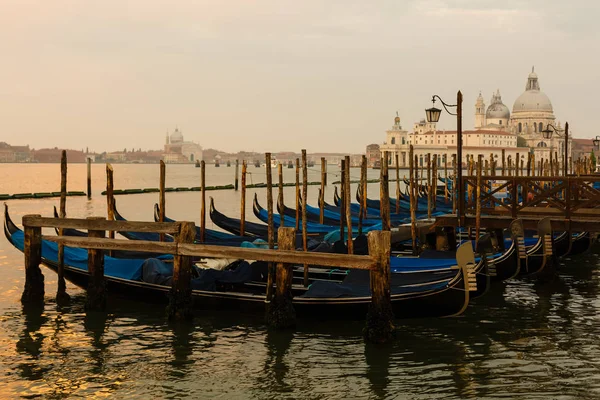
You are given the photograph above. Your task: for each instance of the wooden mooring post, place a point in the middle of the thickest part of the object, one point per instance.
(243, 200)
(280, 202)
(33, 292)
(180, 296)
(478, 199)
(203, 200)
(342, 198)
(347, 206)
(161, 196)
(237, 172)
(412, 200)
(384, 194)
(62, 297)
(396, 158)
(363, 197)
(89, 178)
(280, 311)
(96, 290)
(298, 211)
(304, 217)
(270, 226)
(322, 191)
(428, 185)
(363, 183)
(380, 317)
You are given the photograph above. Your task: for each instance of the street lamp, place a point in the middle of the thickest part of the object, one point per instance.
(550, 129)
(433, 115)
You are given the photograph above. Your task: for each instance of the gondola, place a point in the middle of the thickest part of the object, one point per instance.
(312, 228)
(233, 224)
(429, 293)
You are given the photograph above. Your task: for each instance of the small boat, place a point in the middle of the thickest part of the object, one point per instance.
(217, 165)
(228, 163)
(290, 164)
(257, 163)
(197, 163)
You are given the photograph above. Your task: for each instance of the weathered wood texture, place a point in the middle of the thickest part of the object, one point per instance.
(33, 292)
(243, 200)
(270, 225)
(384, 194)
(280, 311)
(73, 223)
(346, 181)
(161, 195)
(62, 297)
(89, 178)
(180, 296)
(203, 199)
(96, 290)
(304, 217)
(380, 317)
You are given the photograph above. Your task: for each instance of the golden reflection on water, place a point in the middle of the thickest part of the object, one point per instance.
(523, 338)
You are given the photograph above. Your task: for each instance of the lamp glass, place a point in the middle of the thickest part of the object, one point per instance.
(433, 114)
(596, 143)
(547, 133)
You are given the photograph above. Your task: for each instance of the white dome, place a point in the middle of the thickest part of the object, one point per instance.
(176, 137)
(533, 99)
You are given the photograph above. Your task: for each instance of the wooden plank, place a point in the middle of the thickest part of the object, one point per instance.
(114, 244)
(75, 223)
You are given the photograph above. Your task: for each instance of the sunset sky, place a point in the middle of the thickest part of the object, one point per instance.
(280, 75)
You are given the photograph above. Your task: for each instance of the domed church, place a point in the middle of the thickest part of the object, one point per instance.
(496, 117)
(531, 114)
(178, 150)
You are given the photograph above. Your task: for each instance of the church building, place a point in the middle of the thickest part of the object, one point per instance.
(495, 130)
(179, 151)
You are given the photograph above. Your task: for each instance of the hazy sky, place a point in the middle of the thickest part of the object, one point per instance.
(325, 75)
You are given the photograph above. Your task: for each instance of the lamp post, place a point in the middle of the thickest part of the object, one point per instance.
(433, 115)
(550, 129)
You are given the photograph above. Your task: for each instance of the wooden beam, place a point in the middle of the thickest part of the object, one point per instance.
(72, 223)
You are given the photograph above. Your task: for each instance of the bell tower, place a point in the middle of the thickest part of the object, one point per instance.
(480, 121)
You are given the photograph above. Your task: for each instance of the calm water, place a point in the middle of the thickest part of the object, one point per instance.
(521, 340)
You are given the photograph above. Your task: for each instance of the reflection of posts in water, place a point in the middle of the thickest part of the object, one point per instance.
(183, 347)
(275, 369)
(95, 323)
(31, 341)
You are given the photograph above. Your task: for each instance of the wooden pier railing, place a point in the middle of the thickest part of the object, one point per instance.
(280, 312)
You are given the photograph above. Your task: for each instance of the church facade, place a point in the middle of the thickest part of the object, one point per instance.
(177, 150)
(495, 129)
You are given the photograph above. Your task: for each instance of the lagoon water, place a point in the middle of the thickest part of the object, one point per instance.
(521, 340)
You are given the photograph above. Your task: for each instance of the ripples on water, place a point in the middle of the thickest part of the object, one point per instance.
(521, 340)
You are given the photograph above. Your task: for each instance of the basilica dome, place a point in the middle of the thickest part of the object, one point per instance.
(532, 99)
(497, 109)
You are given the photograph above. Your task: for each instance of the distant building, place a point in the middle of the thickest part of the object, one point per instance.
(582, 148)
(14, 154)
(54, 155)
(179, 151)
(373, 155)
